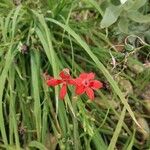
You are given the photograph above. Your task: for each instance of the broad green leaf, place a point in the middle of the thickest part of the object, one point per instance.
(147, 37)
(111, 15)
(138, 17)
(123, 25)
(132, 5)
(138, 4)
(122, 1)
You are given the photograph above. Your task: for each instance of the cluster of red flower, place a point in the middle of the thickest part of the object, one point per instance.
(85, 83)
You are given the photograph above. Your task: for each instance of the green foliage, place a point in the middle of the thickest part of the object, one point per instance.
(124, 12)
(40, 37)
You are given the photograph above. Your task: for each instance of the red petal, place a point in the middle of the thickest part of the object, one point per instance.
(83, 75)
(80, 90)
(78, 81)
(88, 76)
(65, 74)
(91, 76)
(90, 93)
(63, 91)
(72, 81)
(53, 82)
(95, 84)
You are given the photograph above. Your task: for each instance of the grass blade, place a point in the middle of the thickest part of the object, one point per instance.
(117, 131)
(35, 82)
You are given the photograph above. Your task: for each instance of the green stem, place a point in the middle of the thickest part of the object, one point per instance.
(75, 125)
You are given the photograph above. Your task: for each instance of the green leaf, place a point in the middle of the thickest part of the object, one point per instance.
(129, 47)
(138, 17)
(130, 142)
(117, 130)
(111, 15)
(37, 145)
(35, 81)
(123, 1)
(96, 5)
(9, 59)
(147, 37)
(132, 5)
(123, 25)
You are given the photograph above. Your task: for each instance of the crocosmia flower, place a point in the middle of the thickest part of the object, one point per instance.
(85, 83)
(65, 80)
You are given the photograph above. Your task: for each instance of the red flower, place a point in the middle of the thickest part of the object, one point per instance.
(65, 80)
(86, 83)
